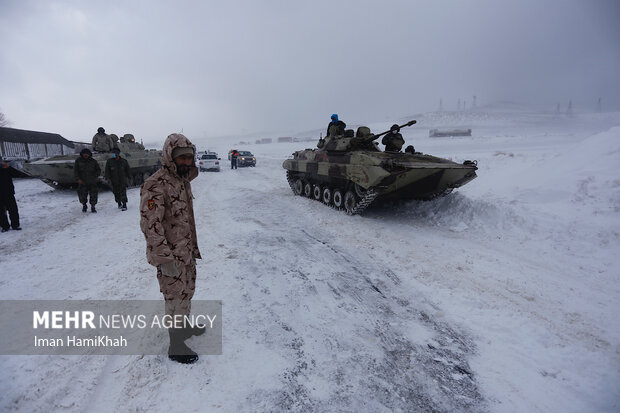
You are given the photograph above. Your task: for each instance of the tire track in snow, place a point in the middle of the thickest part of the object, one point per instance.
(344, 325)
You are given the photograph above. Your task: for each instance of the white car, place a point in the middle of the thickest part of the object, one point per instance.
(208, 161)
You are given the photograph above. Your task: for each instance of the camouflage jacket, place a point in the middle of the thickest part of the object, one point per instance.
(88, 170)
(117, 171)
(167, 210)
(102, 142)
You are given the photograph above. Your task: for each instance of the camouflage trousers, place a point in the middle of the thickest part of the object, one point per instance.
(120, 193)
(88, 189)
(178, 291)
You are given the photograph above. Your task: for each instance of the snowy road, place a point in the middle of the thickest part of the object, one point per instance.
(501, 297)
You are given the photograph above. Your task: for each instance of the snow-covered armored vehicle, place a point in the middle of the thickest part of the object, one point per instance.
(57, 171)
(351, 172)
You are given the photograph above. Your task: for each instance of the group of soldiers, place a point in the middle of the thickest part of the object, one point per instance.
(87, 171)
(393, 140)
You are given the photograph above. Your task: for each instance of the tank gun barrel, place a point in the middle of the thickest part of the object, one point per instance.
(372, 137)
(411, 122)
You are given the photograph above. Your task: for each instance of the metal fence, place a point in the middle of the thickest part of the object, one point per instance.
(32, 151)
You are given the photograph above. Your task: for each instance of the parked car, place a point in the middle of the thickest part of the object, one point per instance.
(208, 161)
(246, 158)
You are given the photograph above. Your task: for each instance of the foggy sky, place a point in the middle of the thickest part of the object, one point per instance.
(278, 67)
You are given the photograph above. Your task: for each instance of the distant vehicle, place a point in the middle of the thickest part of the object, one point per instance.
(208, 161)
(439, 133)
(246, 158)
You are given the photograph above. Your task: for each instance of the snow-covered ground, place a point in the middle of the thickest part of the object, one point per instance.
(502, 297)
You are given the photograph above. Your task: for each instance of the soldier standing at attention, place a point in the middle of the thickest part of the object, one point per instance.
(167, 221)
(102, 142)
(117, 172)
(7, 199)
(86, 171)
(393, 141)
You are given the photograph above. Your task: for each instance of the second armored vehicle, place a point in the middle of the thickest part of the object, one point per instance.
(57, 171)
(351, 172)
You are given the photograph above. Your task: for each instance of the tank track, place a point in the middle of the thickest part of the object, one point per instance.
(290, 180)
(364, 202)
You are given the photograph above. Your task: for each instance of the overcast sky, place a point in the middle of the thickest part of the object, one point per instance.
(231, 68)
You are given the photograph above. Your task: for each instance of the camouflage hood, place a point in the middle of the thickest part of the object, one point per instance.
(177, 140)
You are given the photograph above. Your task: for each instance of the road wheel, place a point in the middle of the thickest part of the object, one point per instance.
(337, 198)
(316, 192)
(327, 195)
(308, 189)
(350, 202)
(299, 187)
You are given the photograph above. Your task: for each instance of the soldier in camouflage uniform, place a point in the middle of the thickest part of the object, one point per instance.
(86, 171)
(117, 172)
(102, 142)
(393, 141)
(167, 221)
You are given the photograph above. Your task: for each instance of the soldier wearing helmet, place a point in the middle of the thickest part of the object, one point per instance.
(102, 142)
(393, 141)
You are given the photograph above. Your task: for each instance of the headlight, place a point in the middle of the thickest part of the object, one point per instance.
(243, 159)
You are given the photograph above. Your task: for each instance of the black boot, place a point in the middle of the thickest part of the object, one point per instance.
(193, 331)
(119, 205)
(84, 208)
(124, 207)
(93, 209)
(178, 350)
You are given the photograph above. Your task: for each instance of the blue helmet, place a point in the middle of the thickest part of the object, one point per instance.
(335, 117)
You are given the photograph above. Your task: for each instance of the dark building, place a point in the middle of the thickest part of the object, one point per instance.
(26, 145)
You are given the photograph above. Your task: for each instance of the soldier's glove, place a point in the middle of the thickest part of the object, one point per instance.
(169, 269)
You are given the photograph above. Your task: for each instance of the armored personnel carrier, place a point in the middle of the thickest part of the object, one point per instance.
(57, 171)
(351, 172)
